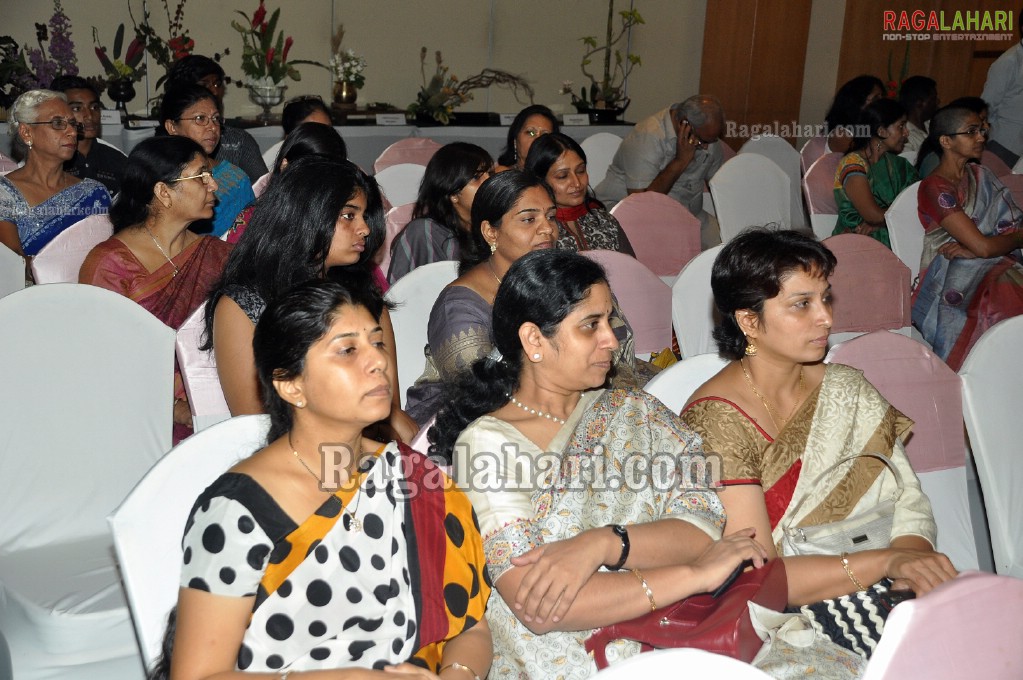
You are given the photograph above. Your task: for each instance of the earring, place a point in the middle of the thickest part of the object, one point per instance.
(751, 349)
(493, 248)
(537, 357)
(29, 145)
(300, 404)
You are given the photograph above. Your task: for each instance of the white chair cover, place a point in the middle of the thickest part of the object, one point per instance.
(905, 230)
(147, 527)
(199, 373)
(680, 663)
(414, 295)
(12, 271)
(400, 183)
(915, 381)
(750, 190)
(642, 297)
(819, 190)
(60, 259)
(395, 220)
(785, 157)
(86, 396)
(663, 233)
(600, 151)
(692, 305)
(415, 150)
(965, 628)
(992, 393)
(675, 384)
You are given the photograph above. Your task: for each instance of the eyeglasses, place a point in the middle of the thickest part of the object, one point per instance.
(536, 132)
(205, 177)
(202, 120)
(971, 131)
(57, 123)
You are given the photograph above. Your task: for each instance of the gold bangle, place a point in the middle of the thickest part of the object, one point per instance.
(849, 572)
(460, 667)
(646, 588)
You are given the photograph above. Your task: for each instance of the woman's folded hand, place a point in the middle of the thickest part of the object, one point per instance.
(918, 570)
(722, 557)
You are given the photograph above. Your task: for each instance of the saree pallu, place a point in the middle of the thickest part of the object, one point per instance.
(234, 193)
(38, 224)
(959, 299)
(620, 458)
(887, 178)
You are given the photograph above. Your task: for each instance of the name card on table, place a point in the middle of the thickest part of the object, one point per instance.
(110, 117)
(508, 118)
(576, 119)
(391, 119)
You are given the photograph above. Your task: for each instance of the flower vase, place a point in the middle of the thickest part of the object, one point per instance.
(267, 96)
(345, 94)
(121, 92)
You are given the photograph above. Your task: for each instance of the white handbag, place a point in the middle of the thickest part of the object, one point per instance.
(870, 530)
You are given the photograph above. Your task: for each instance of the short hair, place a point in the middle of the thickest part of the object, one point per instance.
(452, 167)
(289, 327)
(25, 110)
(153, 160)
(65, 82)
(850, 100)
(541, 287)
(975, 104)
(311, 139)
(700, 109)
(946, 121)
(494, 199)
(880, 113)
(509, 155)
(751, 268)
(300, 108)
(177, 99)
(189, 70)
(916, 89)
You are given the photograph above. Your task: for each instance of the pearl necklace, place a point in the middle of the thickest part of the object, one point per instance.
(534, 412)
(164, 253)
(356, 525)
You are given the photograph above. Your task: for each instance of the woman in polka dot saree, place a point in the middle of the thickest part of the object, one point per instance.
(327, 550)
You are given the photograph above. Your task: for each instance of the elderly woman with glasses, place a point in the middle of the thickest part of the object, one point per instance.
(971, 276)
(153, 258)
(40, 199)
(192, 111)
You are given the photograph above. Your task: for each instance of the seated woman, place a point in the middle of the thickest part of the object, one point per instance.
(308, 139)
(872, 175)
(153, 258)
(439, 229)
(512, 214)
(321, 218)
(40, 200)
(929, 157)
(307, 108)
(971, 269)
(778, 417)
(584, 224)
(844, 112)
(530, 123)
(296, 563)
(524, 417)
(191, 111)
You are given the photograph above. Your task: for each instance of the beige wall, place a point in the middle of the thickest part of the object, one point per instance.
(821, 70)
(538, 39)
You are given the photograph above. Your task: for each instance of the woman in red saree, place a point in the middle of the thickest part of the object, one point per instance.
(153, 258)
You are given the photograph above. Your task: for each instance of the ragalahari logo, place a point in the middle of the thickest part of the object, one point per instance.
(949, 26)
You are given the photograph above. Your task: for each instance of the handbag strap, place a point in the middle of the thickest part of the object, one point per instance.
(842, 461)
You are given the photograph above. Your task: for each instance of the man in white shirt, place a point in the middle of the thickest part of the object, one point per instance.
(672, 152)
(1003, 92)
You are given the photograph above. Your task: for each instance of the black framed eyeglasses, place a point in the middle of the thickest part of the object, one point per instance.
(57, 123)
(202, 120)
(971, 131)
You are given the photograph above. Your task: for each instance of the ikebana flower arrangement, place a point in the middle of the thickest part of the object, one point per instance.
(893, 86)
(131, 68)
(345, 65)
(15, 75)
(264, 58)
(438, 98)
(61, 60)
(607, 91)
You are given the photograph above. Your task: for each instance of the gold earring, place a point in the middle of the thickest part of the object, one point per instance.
(751, 349)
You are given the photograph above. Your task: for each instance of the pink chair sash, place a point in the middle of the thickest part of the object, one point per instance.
(395, 220)
(870, 285)
(199, 373)
(663, 233)
(60, 260)
(819, 185)
(643, 298)
(416, 150)
(995, 164)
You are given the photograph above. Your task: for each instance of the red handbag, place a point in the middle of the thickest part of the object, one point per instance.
(721, 625)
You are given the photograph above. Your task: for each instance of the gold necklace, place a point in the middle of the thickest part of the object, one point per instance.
(162, 251)
(356, 525)
(775, 416)
(494, 271)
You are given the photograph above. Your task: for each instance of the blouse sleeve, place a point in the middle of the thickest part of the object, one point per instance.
(729, 437)
(851, 164)
(937, 199)
(913, 514)
(225, 549)
(102, 267)
(458, 333)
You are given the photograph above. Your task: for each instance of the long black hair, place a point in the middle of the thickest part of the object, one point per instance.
(292, 227)
(153, 160)
(850, 99)
(510, 156)
(547, 150)
(311, 139)
(880, 113)
(541, 287)
(494, 199)
(449, 170)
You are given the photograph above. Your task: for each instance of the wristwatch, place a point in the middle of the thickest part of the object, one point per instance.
(622, 533)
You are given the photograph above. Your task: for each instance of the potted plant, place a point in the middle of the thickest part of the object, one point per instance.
(121, 75)
(265, 59)
(605, 98)
(346, 68)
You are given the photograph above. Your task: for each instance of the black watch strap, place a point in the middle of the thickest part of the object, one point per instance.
(622, 533)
